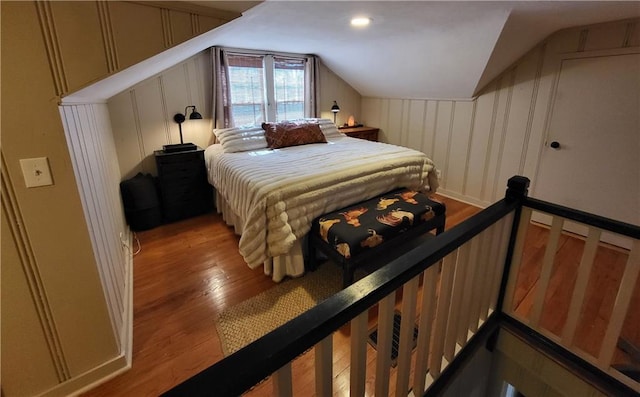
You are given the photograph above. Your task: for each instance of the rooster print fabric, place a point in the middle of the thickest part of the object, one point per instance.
(371, 223)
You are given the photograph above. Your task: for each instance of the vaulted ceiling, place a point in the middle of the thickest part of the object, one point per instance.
(414, 49)
(411, 49)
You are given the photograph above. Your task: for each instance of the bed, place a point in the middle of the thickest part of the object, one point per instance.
(271, 196)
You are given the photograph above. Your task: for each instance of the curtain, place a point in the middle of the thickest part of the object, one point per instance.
(313, 81)
(221, 96)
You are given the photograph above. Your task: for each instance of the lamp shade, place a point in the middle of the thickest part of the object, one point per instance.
(195, 115)
(335, 108)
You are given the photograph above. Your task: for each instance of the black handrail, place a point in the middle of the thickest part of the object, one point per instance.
(598, 221)
(248, 366)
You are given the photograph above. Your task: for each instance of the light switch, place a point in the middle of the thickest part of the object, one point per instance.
(36, 172)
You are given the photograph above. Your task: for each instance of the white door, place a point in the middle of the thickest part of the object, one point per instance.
(596, 123)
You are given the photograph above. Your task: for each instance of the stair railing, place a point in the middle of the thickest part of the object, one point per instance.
(593, 228)
(451, 305)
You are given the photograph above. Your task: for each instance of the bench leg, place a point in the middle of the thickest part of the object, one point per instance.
(440, 227)
(347, 275)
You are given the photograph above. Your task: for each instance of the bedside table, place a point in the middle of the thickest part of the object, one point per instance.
(184, 190)
(368, 133)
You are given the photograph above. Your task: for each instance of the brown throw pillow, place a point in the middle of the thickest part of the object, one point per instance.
(290, 133)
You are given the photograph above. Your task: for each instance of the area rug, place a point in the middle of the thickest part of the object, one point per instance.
(247, 321)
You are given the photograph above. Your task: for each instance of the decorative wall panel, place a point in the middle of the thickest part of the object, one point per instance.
(27, 330)
(61, 251)
(81, 41)
(142, 117)
(138, 32)
(91, 144)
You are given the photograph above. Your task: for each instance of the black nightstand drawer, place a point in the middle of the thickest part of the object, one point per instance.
(175, 194)
(187, 208)
(181, 170)
(186, 177)
(184, 190)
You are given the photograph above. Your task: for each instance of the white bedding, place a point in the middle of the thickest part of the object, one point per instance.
(275, 194)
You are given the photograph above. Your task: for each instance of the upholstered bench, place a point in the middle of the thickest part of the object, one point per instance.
(359, 234)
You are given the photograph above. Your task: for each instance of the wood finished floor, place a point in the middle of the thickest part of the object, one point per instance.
(187, 272)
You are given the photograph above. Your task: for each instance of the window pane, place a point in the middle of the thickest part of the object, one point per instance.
(246, 83)
(288, 76)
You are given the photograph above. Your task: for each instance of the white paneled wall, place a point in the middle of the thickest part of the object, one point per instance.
(333, 88)
(142, 116)
(476, 144)
(479, 143)
(88, 133)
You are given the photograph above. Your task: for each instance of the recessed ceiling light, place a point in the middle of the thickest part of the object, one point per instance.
(360, 21)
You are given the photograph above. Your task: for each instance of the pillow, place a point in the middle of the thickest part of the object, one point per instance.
(241, 139)
(292, 133)
(329, 129)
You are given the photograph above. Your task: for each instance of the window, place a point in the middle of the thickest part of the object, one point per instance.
(288, 79)
(267, 88)
(246, 85)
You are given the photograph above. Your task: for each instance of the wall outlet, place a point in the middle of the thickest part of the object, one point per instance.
(439, 174)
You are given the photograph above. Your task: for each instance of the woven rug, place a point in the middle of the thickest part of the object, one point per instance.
(247, 321)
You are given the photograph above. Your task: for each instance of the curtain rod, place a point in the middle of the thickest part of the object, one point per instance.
(263, 52)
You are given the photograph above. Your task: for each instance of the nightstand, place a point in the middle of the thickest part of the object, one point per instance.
(182, 179)
(368, 133)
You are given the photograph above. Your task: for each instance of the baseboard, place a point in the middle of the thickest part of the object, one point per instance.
(126, 335)
(90, 379)
(462, 198)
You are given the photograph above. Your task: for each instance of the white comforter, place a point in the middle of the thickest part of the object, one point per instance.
(277, 193)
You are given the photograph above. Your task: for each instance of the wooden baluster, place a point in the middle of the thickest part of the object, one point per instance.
(384, 343)
(407, 325)
(516, 260)
(442, 315)
(426, 324)
(467, 295)
(358, 354)
(545, 272)
(580, 288)
(456, 300)
(621, 306)
(480, 287)
(324, 366)
(282, 381)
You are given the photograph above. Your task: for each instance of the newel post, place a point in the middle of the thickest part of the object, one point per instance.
(517, 190)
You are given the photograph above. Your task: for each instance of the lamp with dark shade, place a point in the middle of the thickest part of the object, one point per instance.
(180, 118)
(335, 109)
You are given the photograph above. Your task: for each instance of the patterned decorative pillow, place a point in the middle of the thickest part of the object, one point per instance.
(292, 133)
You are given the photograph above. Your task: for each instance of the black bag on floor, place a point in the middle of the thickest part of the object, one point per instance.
(141, 202)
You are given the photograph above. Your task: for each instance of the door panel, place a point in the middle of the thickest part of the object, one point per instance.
(595, 120)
